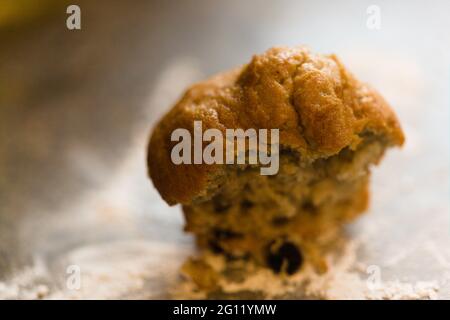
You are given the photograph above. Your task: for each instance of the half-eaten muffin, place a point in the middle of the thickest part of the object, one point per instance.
(332, 127)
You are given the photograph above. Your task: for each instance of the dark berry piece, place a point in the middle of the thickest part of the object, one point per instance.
(284, 258)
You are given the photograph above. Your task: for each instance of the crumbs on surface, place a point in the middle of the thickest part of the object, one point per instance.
(345, 279)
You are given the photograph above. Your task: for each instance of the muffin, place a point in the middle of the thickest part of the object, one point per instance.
(330, 127)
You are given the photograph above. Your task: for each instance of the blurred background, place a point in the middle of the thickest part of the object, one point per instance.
(76, 108)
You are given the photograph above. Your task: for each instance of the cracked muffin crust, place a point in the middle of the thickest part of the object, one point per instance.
(332, 127)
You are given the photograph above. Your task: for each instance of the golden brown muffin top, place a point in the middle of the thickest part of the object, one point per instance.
(317, 105)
